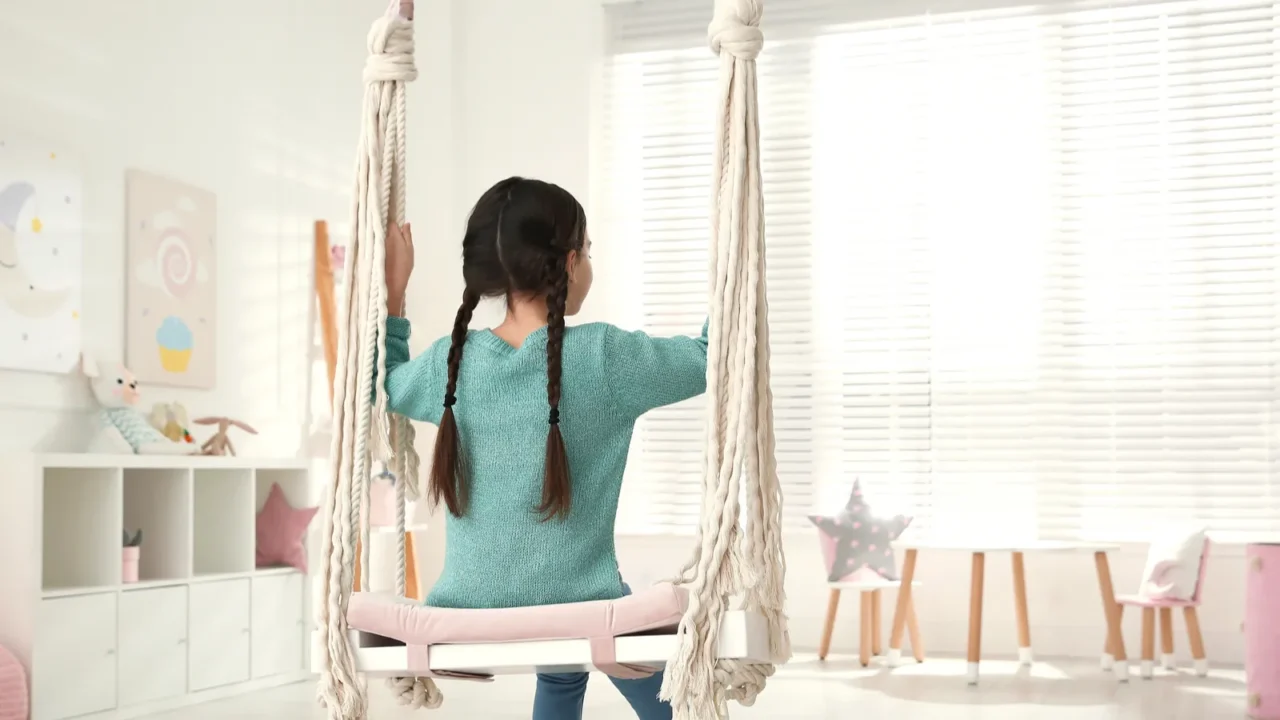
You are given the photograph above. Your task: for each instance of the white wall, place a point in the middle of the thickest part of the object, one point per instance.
(523, 88)
(255, 101)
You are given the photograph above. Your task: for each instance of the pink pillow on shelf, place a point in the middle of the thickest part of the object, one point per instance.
(281, 528)
(13, 688)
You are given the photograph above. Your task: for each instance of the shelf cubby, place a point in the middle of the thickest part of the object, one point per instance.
(296, 485)
(82, 527)
(223, 521)
(158, 501)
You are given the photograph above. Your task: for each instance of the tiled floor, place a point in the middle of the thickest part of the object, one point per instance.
(935, 690)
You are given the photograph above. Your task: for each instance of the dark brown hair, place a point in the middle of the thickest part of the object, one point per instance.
(518, 240)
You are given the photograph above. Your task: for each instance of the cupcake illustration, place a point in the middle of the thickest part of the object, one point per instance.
(174, 339)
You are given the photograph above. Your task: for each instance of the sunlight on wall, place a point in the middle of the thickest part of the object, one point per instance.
(252, 120)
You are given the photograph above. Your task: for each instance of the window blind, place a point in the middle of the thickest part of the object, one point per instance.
(1022, 260)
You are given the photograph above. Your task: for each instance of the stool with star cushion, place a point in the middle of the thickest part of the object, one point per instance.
(857, 548)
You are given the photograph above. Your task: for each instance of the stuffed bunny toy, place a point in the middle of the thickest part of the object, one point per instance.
(123, 429)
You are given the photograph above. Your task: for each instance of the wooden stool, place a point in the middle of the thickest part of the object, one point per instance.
(869, 634)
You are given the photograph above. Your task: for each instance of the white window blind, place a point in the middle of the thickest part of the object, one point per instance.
(1023, 260)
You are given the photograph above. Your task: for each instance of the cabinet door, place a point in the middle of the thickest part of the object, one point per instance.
(74, 659)
(277, 624)
(219, 633)
(153, 644)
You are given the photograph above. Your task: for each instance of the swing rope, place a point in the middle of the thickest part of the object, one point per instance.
(730, 559)
(360, 407)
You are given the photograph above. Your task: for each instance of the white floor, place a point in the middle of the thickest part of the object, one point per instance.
(934, 690)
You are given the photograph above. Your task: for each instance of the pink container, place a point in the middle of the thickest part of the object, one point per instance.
(129, 564)
(382, 503)
(1262, 631)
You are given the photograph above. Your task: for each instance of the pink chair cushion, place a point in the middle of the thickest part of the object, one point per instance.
(419, 626)
(1153, 602)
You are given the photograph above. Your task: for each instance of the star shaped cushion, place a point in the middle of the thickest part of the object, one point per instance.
(281, 528)
(861, 538)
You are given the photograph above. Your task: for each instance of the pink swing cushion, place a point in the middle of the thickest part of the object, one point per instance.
(419, 627)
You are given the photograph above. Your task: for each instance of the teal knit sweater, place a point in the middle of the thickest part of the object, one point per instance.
(500, 554)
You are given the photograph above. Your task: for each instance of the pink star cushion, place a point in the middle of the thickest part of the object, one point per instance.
(280, 531)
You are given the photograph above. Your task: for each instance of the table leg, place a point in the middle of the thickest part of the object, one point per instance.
(875, 623)
(904, 605)
(1112, 611)
(975, 615)
(913, 631)
(1109, 652)
(1020, 609)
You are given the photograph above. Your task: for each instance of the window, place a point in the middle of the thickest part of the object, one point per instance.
(1023, 259)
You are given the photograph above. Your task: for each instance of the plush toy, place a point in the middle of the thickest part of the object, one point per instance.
(171, 420)
(220, 444)
(123, 429)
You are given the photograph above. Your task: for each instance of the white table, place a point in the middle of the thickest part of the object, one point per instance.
(979, 551)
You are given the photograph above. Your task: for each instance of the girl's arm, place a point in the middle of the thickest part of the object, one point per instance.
(415, 387)
(648, 372)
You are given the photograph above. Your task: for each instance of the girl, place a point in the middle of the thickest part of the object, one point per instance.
(535, 419)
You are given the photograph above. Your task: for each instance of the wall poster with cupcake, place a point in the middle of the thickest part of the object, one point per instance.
(170, 334)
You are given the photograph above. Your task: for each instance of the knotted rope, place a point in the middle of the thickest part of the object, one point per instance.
(730, 559)
(360, 406)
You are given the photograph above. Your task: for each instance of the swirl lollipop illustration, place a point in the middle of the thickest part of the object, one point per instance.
(176, 263)
(175, 268)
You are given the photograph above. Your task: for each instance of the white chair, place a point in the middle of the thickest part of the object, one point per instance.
(869, 591)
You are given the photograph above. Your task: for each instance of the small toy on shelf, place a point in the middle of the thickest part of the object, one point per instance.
(130, 556)
(123, 428)
(220, 444)
(171, 420)
(337, 260)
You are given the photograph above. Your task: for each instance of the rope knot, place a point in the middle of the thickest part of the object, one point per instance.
(736, 29)
(390, 52)
(416, 692)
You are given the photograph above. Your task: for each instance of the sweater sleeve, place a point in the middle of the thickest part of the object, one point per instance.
(648, 372)
(415, 386)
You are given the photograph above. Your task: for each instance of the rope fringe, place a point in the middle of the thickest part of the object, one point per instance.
(731, 559)
(360, 407)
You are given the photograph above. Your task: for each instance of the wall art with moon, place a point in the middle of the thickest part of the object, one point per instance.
(41, 239)
(171, 329)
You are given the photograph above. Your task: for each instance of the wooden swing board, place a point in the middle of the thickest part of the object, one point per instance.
(743, 636)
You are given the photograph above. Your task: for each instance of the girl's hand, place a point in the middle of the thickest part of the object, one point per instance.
(399, 266)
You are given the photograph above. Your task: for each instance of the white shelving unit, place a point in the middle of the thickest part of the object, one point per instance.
(201, 623)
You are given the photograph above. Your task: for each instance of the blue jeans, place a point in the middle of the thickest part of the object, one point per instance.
(559, 695)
